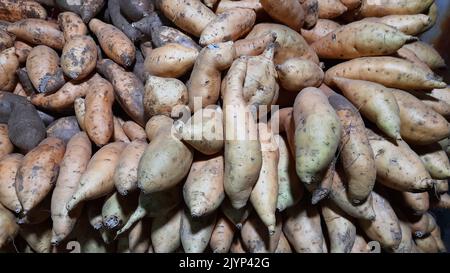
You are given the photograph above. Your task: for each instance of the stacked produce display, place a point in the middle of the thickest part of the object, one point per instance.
(249, 126)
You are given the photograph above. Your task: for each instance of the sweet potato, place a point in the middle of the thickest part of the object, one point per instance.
(260, 84)
(245, 4)
(436, 233)
(409, 24)
(38, 32)
(13, 10)
(435, 160)
(407, 244)
(38, 172)
(222, 236)
(398, 166)
(289, 188)
(427, 54)
(291, 43)
(228, 26)
(71, 25)
(117, 209)
(236, 216)
(427, 244)
(38, 237)
(79, 57)
(409, 55)
(163, 95)
(242, 165)
(203, 190)
(360, 245)
(302, 228)
(433, 14)
(63, 128)
(355, 152)
(376, 102)
(125, 174)
(136, 9)
(74, 163)
(63, 99)
(265, 192)
(22, 50)
(6, 40)
(119, 134)
(329, 9)
(419, 123)
(256, 237)
(171, 60)
(254, 46)
(128, 89)
(438, 106)
(361, 39)
(192, 16)
(341, 229)
(98, 120)
(79, 106)
(314, 151)
(311, 10)
(8, 227)
(154, 172)
(97, 181)
(416, 202)
(165, 233)
(388, 71)
(44, 70)
(386, 227)
(9, 165)
(196, 232)
(288, 12)
(134, 131)
(113, 42)
(205, 80)
(442, 186)
(122, 23)
(139, 237)
(381, 8)
(160, 34)
(283, 245)
(9, 64)
(296, 74)
(322, 28)
(6, 147)
(18, 90)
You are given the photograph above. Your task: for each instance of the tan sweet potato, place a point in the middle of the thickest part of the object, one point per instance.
(254, 46)
(38, 172)
(196, 232)
(8, 227)
(154, 172)
(163, 95)
(165, 233)
(360, 245)
(427, 54)
(134, 131)
(256, 238)
(98, 120)
(291, 43)
(9, 165)
(228, 26)
(119, 134)
(15, 10)
(44, 70)
(38, 237)
(361, 39)
(38, 32)
(9, 64)
(6, 40)
(442, 186)
(191, 16)
(139, 237)
(79, 57)
(245, 4)
(125, 174)
(418, 203)
(341, 229)
(409, 24)
(283, 245)
(22, 50)
(171, 60)
(113, 42)
(322, 28)
(79, 106)
(128, 89)
(204, 83)
(6, 147)
(78, 153)
(288, 12)
(435, 160)
(97, 180)
(388, 71)
(419, 123)
(296, 74)
(380, 8)
(329, 9)
(427, 244)
(71, 25)
(222, 236)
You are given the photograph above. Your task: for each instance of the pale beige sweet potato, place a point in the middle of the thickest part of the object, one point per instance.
(134, 131)
(427, 54)
(222, 236)
(165, 232)
(256, 238)
(254, 46)
(196, 232)
(38, 32)
(9, 64)
(435, 160)
(329, 9)
(296, 74)
(371, 8)
(322, 28)
(412, 24)
(341, 229)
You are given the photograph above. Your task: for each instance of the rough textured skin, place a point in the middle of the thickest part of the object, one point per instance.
(222, 236)
(77, 156)
(38, 32)
(296, 74)
(256, 238)
(203, 190)
(9, 165)
(288, 12)
(388, 71)
(163, 95)
(341, 229)
(322, 28)
(71, 25)
(196, 232)
(360, 39)
(113, 42)
(9, 64)
(15, 10)
(377, 8)
(79, 57)
(38, 172)
(166, 232)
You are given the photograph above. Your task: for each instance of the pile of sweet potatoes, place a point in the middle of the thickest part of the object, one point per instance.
(221, 126)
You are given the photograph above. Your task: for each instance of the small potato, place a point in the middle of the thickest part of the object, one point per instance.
(162, 95)
(79, 57)
(44, 70)
(322, 28)
(71, 25)
(38, 172)
(6, 147)
(15, 10)
(245, 4)
(170, 61)
(9, 165)
(38, 32)
(136, 9)
(296, 74)
(98, 119)
(229, 26)
(113, 42)
(63, 128)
